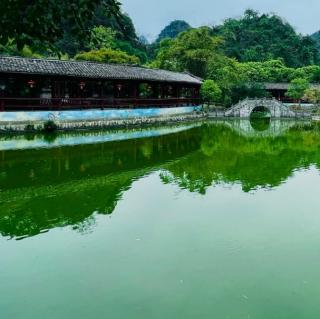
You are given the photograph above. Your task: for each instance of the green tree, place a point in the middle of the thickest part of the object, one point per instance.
(248, 90)
(297, 89)
(107, 56)
(226, 73)
(312, 95)
(102, 37)
(268, 71)
(40, 23)
(310, 73)
(190, 51)
(131, 49)
(122, 27)
(211, 92)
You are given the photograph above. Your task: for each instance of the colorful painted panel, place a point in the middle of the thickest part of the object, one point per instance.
(91, 115)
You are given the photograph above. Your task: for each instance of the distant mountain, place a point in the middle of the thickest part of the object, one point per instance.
(316, 37)
(173, 29)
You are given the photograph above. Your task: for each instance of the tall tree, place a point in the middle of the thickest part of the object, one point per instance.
(211, 92)
(41, 22)
(190, 51)
(297, 89)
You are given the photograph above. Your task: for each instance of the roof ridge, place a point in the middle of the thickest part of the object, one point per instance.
(15, 64)
(66, 61)
(194, 76)
(96, 62)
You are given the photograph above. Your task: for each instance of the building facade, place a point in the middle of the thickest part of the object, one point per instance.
(35, 89)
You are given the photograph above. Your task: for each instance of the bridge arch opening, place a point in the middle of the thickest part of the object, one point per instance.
(260, 124)
(260, 112)
(260, 118)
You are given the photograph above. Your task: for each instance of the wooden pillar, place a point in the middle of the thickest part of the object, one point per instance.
(179, 91)
(176, 90)
(155, 90)
(161, 89)
(135, 93)
(135, 90)
(115, 90)
(2, 103)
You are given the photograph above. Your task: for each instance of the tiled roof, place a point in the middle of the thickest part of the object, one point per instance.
(91, 70)
(284, 86)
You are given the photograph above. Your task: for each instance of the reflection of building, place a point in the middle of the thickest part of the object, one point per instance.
(39, 85)
(65, 186)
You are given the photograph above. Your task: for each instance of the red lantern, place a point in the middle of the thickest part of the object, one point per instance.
(32, 83)
(82, 85)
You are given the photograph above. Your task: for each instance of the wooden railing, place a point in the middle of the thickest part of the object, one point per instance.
(36, 104)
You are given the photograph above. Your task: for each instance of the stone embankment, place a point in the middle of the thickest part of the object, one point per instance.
(100, 123)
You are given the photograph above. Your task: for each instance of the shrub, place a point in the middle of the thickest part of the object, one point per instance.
(108, 56)
(29, 128)
(50, 126)
(211, 92)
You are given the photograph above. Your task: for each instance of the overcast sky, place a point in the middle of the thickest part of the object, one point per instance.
(150, 16)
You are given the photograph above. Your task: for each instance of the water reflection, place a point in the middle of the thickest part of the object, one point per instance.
(36, 185)
(260, 124)
(227, 156)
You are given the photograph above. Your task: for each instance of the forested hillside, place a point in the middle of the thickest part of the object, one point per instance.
(262, 37)
(56, 30)
(63, 29)
(249, 50)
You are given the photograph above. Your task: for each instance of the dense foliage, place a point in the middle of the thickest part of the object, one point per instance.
(312, 95)
(264, 37)
(210, 92)
(277, 71)
(297, 88)
(66, 28)
(105, 31)
(41, 22)
(190, 51)
(316, 38)
(201, 53)
(107, 56)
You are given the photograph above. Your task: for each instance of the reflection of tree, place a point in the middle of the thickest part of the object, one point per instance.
(86, 226)
(51, 188)
(260, 124)
(40, 208)
(68, 186)
(228, 157)
(185, 182)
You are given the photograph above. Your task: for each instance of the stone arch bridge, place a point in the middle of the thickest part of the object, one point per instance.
(246, 107)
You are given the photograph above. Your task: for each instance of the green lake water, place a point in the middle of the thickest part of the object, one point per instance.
(216, 220)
